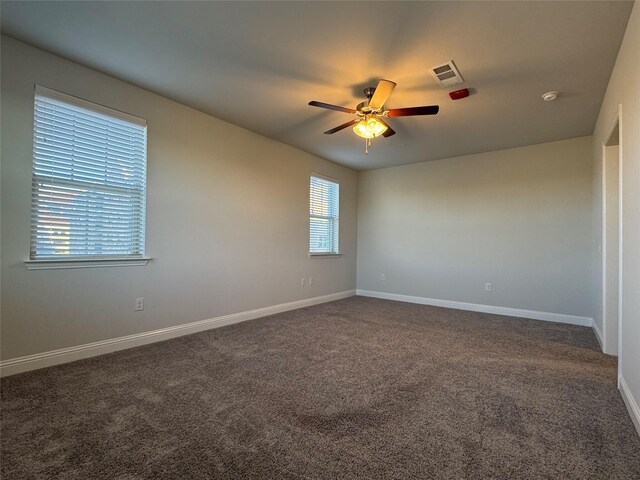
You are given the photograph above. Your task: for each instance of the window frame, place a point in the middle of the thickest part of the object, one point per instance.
(85, 261)
(328, 254)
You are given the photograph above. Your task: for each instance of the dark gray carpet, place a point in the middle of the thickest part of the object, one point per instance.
(355, 389)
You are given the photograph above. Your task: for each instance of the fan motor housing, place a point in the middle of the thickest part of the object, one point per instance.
(363, 107)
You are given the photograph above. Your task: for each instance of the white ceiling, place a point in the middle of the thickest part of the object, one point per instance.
(258, 64)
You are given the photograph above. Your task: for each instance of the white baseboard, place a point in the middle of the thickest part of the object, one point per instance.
(632, 405)
(70, 354)
(475, 307)
(599, 336)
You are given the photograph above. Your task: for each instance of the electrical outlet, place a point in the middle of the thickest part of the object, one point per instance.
(383, 277)
(302, 282)
(488, 287)
(310, 280)
(139, 304)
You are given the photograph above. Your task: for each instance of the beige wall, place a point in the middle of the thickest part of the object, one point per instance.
(519, 219)
(227, 220)
(623, 93)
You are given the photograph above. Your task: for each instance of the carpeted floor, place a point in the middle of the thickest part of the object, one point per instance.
(355, 389)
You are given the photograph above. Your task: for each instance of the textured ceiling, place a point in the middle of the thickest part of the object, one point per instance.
(258, 64)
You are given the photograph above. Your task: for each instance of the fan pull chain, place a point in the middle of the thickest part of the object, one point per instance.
(367, 144)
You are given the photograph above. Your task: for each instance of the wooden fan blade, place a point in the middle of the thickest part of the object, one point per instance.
(337, 108)
(343, 126)
(382, 93)
(389, 131)
(411, 111)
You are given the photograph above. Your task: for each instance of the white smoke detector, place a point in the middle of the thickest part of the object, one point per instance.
(550, 96)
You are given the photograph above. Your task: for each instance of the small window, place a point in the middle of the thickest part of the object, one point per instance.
(324, 208)
(89, 180)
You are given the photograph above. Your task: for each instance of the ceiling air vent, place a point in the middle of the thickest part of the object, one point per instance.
(447, 74)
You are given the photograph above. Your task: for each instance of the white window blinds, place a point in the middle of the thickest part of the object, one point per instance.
(324, 206)
(89, 180)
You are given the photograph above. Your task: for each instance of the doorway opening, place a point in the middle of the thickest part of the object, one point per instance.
(611, 235)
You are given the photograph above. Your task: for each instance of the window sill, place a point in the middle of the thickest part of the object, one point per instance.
(324, 255)
(55, 263)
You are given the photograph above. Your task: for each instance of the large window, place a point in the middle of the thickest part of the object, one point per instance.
(324, 209)
(89, 180)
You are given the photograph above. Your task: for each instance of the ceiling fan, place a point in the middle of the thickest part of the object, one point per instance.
(368, 122)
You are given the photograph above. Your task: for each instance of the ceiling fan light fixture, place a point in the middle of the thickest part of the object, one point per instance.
(369, 127)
